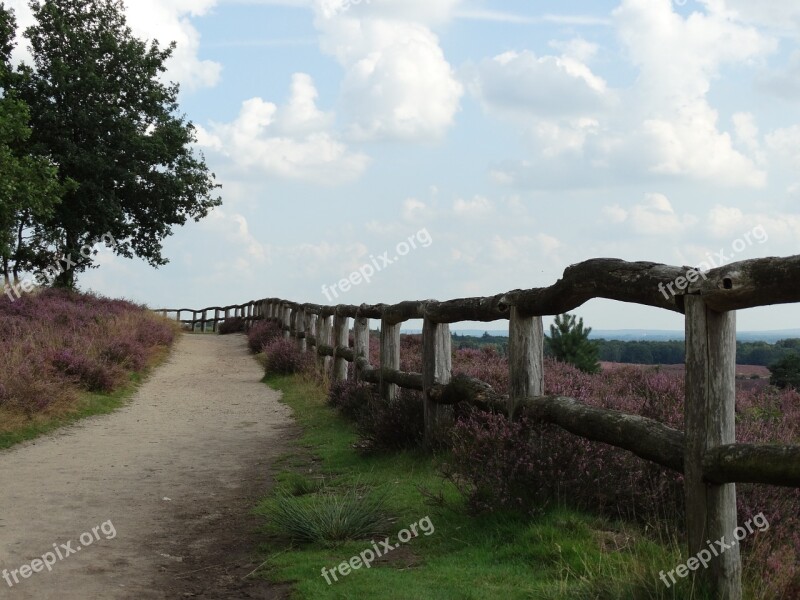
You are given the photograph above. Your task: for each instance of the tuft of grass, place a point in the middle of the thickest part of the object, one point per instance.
(329, 516)
(299, 485)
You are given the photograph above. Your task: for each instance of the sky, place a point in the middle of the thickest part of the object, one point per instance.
(449, 148)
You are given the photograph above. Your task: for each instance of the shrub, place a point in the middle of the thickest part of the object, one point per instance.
(126, 353)
(56, 343)
(232, 325)
(786, 371)
(328, 517)
(91, 374)
(285, 358)
(350, 397)
(395, 425)
(492, 462)
(262, 334)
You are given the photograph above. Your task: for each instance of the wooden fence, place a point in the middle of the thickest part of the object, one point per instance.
(202, 319)
(706, 452)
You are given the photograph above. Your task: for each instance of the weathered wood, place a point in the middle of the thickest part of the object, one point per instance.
(341, 339)
(300, 329)
(710, 422)
(361, 342)
(472, 391)
(647, 438)
(323, 339)
(286, 312)
(311, 329)
(437, 366)
(772, 464)
(411, 381)
(390, 357)
(465, 309)
(609, 278)
(403, 311)
(525, 358)
(750, 283)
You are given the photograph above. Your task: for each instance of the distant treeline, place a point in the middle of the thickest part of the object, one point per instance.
(651, 353)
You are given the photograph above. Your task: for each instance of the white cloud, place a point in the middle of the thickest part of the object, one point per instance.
(475, 208)
(661, 128)
(163, 20)
(242, 251)
(654, 216)
(784, 143)
(526, 85)
(415, 210)
(291, 142)
(615, 213)
(780, 229)
(397, 84)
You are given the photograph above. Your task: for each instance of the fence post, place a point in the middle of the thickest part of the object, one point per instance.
(324, 338)
(710, 422)
(341, 338)
(361, 342)
(300, 329)
(286, 321)
(311, 330)
(525, 358)
(436, 368)
(390, 356)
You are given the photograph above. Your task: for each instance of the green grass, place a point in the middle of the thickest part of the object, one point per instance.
(89, 404)
(560, 554)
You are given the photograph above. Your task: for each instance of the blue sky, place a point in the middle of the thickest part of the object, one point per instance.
(521, 136)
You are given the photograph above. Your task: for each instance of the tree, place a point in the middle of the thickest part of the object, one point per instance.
(101, 112)
(569, 342)
(29, 186)
(786, 372)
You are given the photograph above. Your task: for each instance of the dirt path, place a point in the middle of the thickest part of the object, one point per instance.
(175, 473)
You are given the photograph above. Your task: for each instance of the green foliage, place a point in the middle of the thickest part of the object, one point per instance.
(29, 187)
(328, 517)
(569, 342)
(786, 372)
(100, 110)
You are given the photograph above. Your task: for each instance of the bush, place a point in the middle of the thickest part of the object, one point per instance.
(232, 325)
(126, 353)
(786, 372)
(285, 358)
(350, 397)
(390, 426)
(492, 462)
(328, 517)
(262, 334)
(90, 374)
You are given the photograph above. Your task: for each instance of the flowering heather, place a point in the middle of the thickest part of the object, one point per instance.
(285, 358)
(57, 343)
(262, 334)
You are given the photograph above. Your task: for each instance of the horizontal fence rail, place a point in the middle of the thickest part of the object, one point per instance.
(706, 452)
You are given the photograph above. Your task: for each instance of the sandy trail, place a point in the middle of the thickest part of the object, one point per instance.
(176, 472)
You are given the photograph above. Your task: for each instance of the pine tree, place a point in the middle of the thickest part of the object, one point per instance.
(569, 342)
